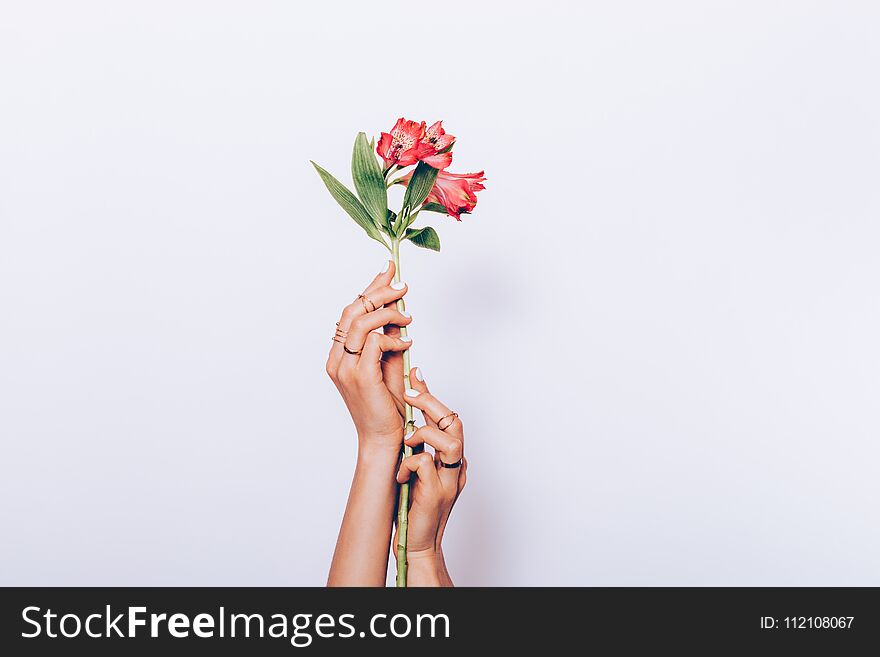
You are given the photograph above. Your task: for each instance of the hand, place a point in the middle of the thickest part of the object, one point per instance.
(371, 382)
(435, 488)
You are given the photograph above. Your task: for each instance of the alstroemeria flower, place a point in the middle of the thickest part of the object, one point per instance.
(457, 192)
(410, 142)
(403, 144)
(437, 140)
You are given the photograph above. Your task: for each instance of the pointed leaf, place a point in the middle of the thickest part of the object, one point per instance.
(368, 180)
(434, 207)
(419, 185)
(401, 221)
(426, 238)
(350, 204)
(389, 222)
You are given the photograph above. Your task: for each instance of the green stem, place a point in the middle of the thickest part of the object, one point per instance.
(388, 172)
(403, 499)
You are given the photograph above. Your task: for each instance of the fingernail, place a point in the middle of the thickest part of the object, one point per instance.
(406, 338)
(405, 314)
(387, 264)
(399, 285)
(408, 436)
(412, 393)
(419, 374)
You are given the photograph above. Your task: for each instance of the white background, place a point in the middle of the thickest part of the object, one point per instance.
(660, 324)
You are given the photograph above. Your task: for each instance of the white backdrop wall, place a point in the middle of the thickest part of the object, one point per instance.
(660, 325)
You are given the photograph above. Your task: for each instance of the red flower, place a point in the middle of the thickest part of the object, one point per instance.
(410, 142)
(457, 192)
(401, 146)
(437, 140)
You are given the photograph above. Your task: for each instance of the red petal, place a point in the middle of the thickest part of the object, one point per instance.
(439, 160)
(383, 148)
(408, 158)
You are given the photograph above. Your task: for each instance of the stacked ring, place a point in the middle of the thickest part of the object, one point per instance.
(340, 335)
(451, 417)
(365, 300)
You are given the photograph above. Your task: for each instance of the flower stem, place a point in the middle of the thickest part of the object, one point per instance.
(403, 499)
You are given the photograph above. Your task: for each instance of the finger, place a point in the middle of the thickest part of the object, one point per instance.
(422, 465)
(383, 278)
(397, 302)
(360, 327)
(417, 382)
(447, 449)
(357, 307)
(391, 329)
(377, 344)
(385, 296)
(360, 308)
(392, 363)
(434, 409)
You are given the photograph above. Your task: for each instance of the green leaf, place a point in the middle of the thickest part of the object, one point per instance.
(426, 238)
(389, 222)
(398, 224)
(350, 204)
(419, 185)
(434, 207)
(368, 180)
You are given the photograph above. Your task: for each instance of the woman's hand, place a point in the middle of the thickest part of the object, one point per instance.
(371, 380)
(435, 488)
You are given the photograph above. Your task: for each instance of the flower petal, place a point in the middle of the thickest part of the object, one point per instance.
(438, 160)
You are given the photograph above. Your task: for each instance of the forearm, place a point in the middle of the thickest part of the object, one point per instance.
(361, 555)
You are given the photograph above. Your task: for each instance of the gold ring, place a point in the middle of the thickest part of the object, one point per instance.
(364, 300)
(349, 351)
(446, 417)
(340, 334)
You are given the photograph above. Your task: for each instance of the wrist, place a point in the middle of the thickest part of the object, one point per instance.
(373, 452)
(425, 568)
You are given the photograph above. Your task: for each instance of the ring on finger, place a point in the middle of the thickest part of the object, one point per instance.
(451, 417)
(367, 300)
(341, 335)
(457, 464)
(349, 351)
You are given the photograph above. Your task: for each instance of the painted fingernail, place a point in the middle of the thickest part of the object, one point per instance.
(405, 314)
(405, 338)
(419, 374)
(412, 393)
(408, 436)
(399, 285)
(387, 264)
